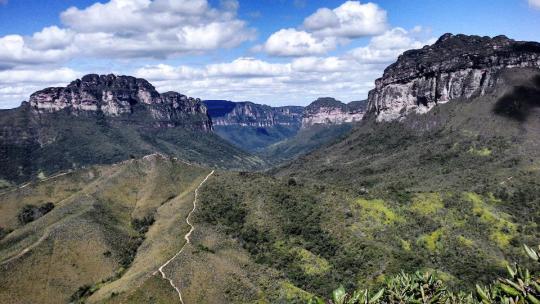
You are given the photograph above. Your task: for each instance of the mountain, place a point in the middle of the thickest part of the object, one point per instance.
(327, 110)
(115, 96)
(456, 66)
(324, 121)
(455, 184)
(106, 119)
(452, 191)
(251, 126)
(278, 134)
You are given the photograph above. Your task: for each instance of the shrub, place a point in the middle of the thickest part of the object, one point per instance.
(521, 287)
(30, 213)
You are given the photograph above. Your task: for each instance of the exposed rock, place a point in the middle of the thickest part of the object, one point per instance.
(456, 66)
(121, 95)
(328, 110)
(228, 113)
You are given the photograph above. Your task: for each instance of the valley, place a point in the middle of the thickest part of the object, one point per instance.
(114, 193)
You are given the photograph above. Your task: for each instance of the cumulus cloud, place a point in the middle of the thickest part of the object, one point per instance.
(17, 85)
(15, 50)
(295, 82)
(352, 19)
(385, 48)
(292, 42)
(327, 28)
(534, 4)
(128, 29)
(299, 81)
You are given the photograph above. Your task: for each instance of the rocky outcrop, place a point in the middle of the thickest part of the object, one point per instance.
(228, 113)
(115, 96)
(456, 66)
(328, 110)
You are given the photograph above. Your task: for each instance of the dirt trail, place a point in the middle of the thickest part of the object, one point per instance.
(186, 237)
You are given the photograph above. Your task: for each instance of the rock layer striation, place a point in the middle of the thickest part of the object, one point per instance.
(456, 66)
(116, 96)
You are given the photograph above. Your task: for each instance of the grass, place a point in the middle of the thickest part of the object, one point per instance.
(432, 240)
(501, 228)
(427, 204)
(376, 210)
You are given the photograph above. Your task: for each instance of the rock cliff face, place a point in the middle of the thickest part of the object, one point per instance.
(227, 113)
(116, 96)
(328, 110)
(456, 66)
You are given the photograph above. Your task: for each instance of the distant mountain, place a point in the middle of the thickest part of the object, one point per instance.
(252, 126)
(228, 113)
(329, 111)
(105, 119)
(269, 131)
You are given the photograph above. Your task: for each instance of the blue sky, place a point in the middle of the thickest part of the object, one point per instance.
(269, 51)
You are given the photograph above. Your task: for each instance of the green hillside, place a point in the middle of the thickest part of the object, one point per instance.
(50, 143)
(255, 139)
(305, 141)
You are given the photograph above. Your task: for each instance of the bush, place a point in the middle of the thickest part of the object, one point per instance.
(30, 213)
(520, 287)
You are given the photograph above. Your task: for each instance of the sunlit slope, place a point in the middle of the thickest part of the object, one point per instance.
(109, 231)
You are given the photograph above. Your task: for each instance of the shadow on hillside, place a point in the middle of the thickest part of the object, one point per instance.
(519, 103)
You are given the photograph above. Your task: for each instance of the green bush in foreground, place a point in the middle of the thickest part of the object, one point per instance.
(520, 287)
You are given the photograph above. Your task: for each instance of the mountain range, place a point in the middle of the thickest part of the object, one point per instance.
(438, 171)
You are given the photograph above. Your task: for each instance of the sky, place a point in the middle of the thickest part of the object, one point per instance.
(276, 52)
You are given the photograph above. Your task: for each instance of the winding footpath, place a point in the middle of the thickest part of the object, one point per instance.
(186, 237)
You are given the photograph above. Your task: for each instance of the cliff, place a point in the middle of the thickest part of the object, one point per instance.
(328, 110)
(456, 66)
(228, 113)
(116, 96)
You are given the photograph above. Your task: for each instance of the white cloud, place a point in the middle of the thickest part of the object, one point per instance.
(295, 81)
(15, 50)
(159, 28)
(352, 19)
(323, 18)
(534, 3)
(53, 38)
(292, 42)
(385, 48)
(17, 85)
(130, 29)
(318, 64)
(299, 81)
(326, 29)
(248, 67)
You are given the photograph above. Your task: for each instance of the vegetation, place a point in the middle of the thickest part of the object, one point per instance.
(73, 142)
(305, 141)
(30, 213)
(520, 286)
(255, 139)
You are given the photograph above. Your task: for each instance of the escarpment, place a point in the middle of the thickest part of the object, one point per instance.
(456, 66)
